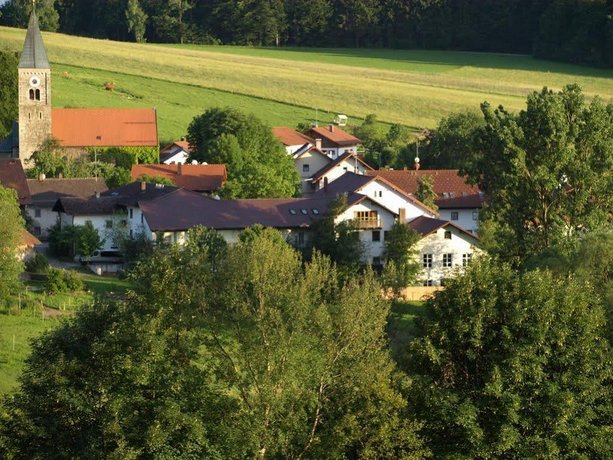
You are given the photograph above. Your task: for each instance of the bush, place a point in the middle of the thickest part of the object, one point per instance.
(37, 264)
(62, 281)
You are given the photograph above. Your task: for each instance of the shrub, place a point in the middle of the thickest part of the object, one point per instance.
(37, 264)
(59, 280)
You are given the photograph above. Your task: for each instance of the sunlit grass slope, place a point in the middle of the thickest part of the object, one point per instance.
(415, 88)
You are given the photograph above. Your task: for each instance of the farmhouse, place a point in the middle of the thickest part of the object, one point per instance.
(334, 141)
(76, 129)
(177, 152)
(347, 162)
(45, 193)
(291, 139)
(457, 201)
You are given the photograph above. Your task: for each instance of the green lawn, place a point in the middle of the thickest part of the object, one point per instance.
(17, 329)
(415, 88)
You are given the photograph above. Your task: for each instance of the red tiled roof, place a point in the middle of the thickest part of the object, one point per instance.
(445, 181)
(289, 136)
(105, 127)
(333, 134)
(184, 145)
(12, 176)
(28, 240)
(198, 178)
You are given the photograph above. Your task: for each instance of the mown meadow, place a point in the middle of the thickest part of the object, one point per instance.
(286, 86)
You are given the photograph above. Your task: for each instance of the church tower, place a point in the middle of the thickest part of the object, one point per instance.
(34, 93)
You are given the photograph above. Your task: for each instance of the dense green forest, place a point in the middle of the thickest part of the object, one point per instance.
(568, 30)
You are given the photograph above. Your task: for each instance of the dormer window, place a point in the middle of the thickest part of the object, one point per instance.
(292, 211)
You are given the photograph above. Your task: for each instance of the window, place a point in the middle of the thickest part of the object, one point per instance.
(378, 193)
(386, 234)
(108, 224)
(305, 168)
(38, 94)
(300, 239)
(447, 234)
(345, 168)
(142, 218)
(31, 94)
(123, 223)
(428, 283)
(447, 260)
(454, 215)
(292, 211)
(315, 211)
(36, 212)
(304, 211)
(427, 258)
(37, 231)
(376, 235)
(475, 215)
(376, 260)
(131, 213)
(466, 259)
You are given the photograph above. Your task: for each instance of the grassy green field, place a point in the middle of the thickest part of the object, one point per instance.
(19, 327)
(284, 86)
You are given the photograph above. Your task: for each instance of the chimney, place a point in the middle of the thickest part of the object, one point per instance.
(318, 144)
(179, 169)
(42, 177)
(402, 215)
(143, 186)
(60, 176)
(331, 128)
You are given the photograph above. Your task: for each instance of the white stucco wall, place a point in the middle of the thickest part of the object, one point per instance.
(350, 165)
(180, 156)
(100, 223)
(468, 218)
(334, 153)
(391, 199)
(315, 162)
(45, 221)
(437, 245)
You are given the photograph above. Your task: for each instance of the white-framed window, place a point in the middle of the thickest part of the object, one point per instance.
(376, 260)
(475, 215)
(466, 259)
(447, 234)
(306, 167)
(376, 235)
(455, 215)
(428, 283)
(448, 260)
(300, 239)
(36, 212)
(427, 261)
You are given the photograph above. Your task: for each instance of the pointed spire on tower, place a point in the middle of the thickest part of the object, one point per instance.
(34, 55)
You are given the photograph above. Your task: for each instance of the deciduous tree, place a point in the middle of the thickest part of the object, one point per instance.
(10, 240)
(8, 92)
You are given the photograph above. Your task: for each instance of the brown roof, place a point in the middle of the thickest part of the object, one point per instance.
(105, 127)
(447, 183)
(12, 176)
(462, 202)
(332, 164)
(46, 192)
(183, 210)
(170, 150)
(426, 225)
(28, 240)
(92, 206)
(198, 178)
(289, 136)
(130, 194)
(334, 135)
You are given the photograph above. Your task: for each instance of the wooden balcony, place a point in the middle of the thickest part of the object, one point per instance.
(368, 222)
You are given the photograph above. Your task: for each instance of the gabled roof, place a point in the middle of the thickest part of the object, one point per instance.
(33, 55)
(92, 206)
(46, 192)
(462, 202)
(172, 149)
(351, 182)
(447, 183)
(310, 148)
(426, 226)
(198, 178)
(334, 135)
(12, 176)
(183, 210)
(28, 240)
(130, 194)
(105, 127)
(289, 136)
(345, 156)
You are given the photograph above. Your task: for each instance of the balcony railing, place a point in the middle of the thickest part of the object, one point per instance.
(368, 222)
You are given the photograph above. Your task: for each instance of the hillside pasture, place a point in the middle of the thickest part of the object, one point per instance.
(415, 88)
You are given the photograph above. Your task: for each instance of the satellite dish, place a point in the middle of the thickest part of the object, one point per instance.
(416, 159)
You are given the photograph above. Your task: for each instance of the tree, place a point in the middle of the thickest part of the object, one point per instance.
(8, 92)
(258, 167)
(546, 171)
(425, 191)
(10, 239)
(513, 366)
(450, 145)
(16, 13)
(283, 362)
(137, 20)
(401, 265)
(170, 22)
(162, 180)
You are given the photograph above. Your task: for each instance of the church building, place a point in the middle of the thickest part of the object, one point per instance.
(76, 129)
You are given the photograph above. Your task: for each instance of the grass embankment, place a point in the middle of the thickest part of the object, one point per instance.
(415, 88)
(19, 327)
(402, 327)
